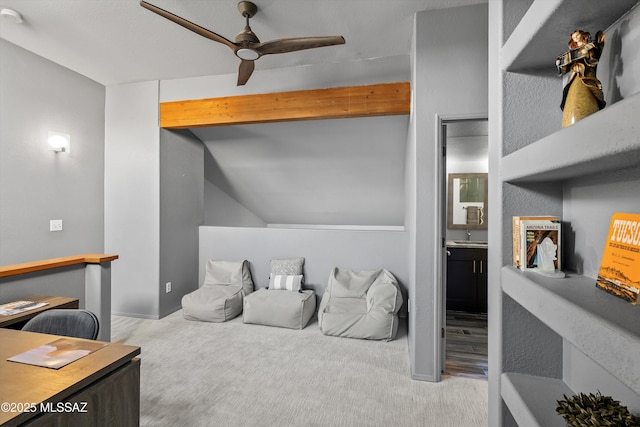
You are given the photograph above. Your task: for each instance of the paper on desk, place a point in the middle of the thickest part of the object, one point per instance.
(17, 307)
(58, 353)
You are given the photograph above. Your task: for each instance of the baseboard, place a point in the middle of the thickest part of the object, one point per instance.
(422, 377)
(171, 311)
(136, 315)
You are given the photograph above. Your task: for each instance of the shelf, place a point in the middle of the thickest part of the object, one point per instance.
(48, 264)
(543, 32)
(603, 327)
(585, 148)
(532, 400)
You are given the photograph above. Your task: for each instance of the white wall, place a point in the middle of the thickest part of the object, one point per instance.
(449, 79)
(322, 250)
(132, 197)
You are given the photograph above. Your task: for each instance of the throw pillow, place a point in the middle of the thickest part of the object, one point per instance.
(287, 266)
(280, 282)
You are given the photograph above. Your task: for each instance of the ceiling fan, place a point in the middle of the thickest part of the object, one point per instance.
(247, 46)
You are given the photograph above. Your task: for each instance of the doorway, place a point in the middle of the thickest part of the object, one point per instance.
(464, 222)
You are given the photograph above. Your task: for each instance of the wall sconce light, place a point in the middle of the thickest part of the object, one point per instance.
(12, 15)
(59, 142)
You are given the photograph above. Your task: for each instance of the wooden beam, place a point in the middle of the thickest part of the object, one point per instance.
(333, 103)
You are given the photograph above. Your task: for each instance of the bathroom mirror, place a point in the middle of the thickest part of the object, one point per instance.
(467, 202)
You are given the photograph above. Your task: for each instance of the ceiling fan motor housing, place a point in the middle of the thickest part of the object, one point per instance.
(247, 9)
(247, 36)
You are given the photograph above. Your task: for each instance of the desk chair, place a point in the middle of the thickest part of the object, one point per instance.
(67, 322)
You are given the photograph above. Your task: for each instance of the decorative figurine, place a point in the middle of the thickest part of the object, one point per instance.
(582, 94)
(546, 255)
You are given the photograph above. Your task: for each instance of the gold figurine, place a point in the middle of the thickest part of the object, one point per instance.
(582, 94)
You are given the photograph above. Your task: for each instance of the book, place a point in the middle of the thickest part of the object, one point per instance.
(58, 353)
(540, 240)
(619, 272)
(18, 307)
(516, 233)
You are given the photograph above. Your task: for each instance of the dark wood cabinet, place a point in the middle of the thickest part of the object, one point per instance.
(467, 279)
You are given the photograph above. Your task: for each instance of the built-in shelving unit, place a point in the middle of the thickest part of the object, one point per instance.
(568, 153)
(576, 310)
(530, 397)
(553, 331)
(544, 30)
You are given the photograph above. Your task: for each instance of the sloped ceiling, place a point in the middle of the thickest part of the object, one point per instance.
(329, 172)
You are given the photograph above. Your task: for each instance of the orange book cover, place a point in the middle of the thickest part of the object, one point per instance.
(620, 266)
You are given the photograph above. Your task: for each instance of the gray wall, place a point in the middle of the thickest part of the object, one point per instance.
(37, 184)
(220, 209)
(322, 250)
(450, 80)
(181, 201)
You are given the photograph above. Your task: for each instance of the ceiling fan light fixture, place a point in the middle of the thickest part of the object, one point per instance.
(247, 54)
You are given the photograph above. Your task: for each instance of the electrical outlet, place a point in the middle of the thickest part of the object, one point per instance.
(55, 225)
(168, 287)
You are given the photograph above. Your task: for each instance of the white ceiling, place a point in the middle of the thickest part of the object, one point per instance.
(467, 142)
(341, 172)
(117, 41)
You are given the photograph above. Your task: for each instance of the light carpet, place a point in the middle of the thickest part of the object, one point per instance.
(235, 374)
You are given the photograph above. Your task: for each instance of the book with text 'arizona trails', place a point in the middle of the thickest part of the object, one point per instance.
(516, 220)
(620, 266)
(533, 233)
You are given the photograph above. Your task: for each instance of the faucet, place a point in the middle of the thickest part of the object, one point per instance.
(468, 235)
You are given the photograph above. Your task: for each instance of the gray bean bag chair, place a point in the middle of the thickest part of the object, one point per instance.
(360, 304)
(285, 309)
(220, 297)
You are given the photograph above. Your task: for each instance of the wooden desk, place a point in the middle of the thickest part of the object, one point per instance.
(107, 380)
(18, 320)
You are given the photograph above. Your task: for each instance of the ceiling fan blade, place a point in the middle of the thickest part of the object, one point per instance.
(245, 71)
(188, 25)
(297, 43)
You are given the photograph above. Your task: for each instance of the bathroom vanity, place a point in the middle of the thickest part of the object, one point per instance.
(467, 276)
